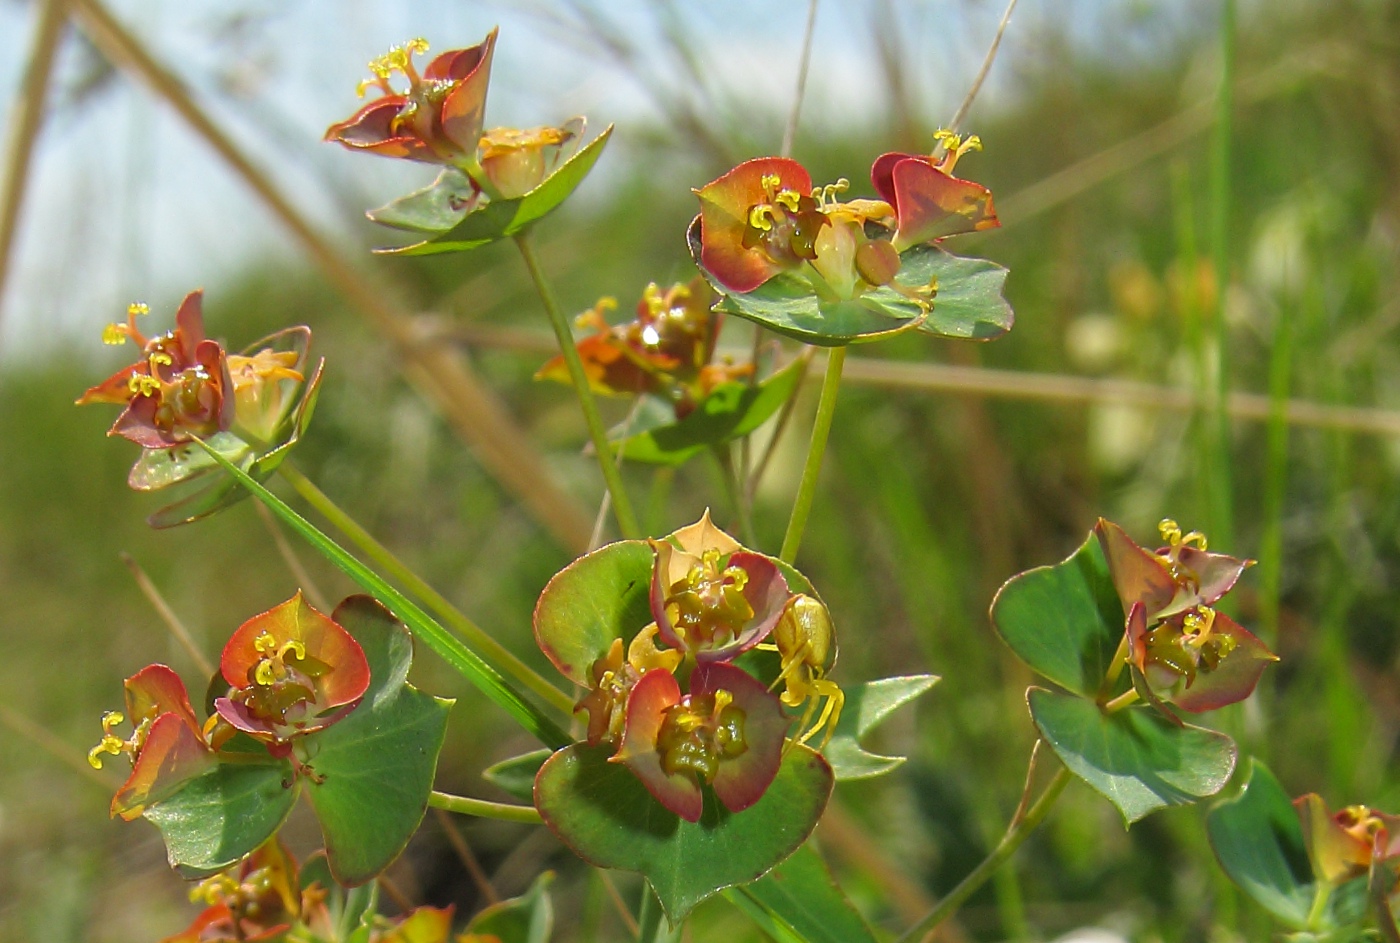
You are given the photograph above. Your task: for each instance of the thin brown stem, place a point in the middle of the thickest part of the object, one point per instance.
(465, 855)
(395, 893)
(299, 572)
(168, 616)
(52, 744)
(961, 113)
(24, 127)
(790, 130)
(620, 905)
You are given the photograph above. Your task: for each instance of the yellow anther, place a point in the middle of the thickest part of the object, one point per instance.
(143, 385)
(265, 643)
(1171, 533)
(114, 335)
(109, 742)
(160, 359)
(770, 182)
(265, 673)
(137, 308)
(788, 199)
(295, 647)
(111, 719)
(761, 217)
(722, 700)
(654, 300)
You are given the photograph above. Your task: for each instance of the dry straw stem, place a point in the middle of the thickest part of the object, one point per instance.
(168, 616)
(289, 556)
(441, 375)
(26, 118)
(991, 57)
(52, 744)
(1009, 384)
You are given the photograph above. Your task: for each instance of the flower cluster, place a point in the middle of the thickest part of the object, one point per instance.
(667, 350)
(764, 217)
(1349, 843)
(250, 405)
(439, 119)
(1180, 648)
(677, 709)
(289, 672)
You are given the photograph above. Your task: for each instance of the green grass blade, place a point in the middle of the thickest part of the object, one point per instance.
(453, 651)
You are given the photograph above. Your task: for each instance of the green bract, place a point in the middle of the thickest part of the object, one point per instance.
(968, 303)
(431, 210)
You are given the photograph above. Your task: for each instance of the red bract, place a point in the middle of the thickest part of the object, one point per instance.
(665, 351)
(167, 746)
(1198, 658)
(727, 732)
(180, 388)
(292, 671)
(712, 599)
(437, 120)
(758, 220)
(1345, 844)
(929, 202)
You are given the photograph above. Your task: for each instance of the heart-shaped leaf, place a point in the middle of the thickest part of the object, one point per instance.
(528, 918)
(517, 775)
(1258, 841)
(802, 896)
(605, 814)
(597, 598)
(1136, 758)
(502, 218)
(434, 209)
(220, 817)
(968, 303)
(1064, 621)
(731, 411)
(371, 773)
(161, 468)
(866, 706)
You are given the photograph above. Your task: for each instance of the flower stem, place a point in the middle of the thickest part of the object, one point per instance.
(464, 805)
(622, 506)
(724, 455)
(454, 617)
(1016, 833)
(1319, 905)
(821, 429)
(1127, 698)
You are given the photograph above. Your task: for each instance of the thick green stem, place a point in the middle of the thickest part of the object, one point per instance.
(1017, 833)
(1319, 905)
(622, 505)
(821, 429)
(493, 650)
(465, 805)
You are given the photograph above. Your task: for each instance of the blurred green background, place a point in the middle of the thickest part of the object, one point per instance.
(1099, 131)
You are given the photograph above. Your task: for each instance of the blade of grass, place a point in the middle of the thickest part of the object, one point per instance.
(384, 558)
(465, 661)
(821, 429)
(982, 72)
(1222, 503)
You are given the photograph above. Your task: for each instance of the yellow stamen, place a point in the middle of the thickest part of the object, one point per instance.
(114, 335)
(142, 385)
(265, 643)
(109, 743)
(761, 217)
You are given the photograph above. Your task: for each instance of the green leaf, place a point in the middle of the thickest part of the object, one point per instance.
(371, 772)
(434, 209)
(731, 411)
(1258, 841)
(502, 218)
(528, 918)
(866, 706)
(801, 895)
(516, 775)
(161, 468)
(967, 305)
(222, 816)
(1137, 759)
(597, 598)
(1064, 621)
(605, 814)
(461, 658)
(205, 496)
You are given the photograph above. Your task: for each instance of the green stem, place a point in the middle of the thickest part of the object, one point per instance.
(1319, 905)
(650, 918)
(454, 617)
(821, 429)
(1016, 833)
(1222, 509)
(465, 805)
(622, 505)
(462, 659)
(1126, 699)
(724, 454)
